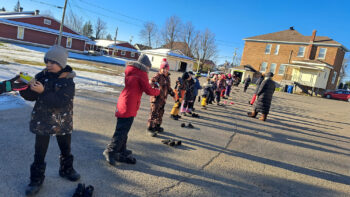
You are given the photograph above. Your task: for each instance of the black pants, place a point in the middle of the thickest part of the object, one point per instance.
(42, 144)
(245, 88)
(120, 136)
(218, 97)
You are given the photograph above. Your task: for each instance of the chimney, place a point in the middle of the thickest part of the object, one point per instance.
(36, 12)
(20, 9)
(291, 28)
(312, 39)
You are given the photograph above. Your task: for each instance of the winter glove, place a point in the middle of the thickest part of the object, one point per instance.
(12, 85)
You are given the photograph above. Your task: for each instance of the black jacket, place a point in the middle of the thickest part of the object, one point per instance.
(258, 82)
(264, 94)
(53, 110)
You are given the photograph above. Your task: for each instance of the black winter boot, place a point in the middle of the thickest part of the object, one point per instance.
(151, 132)
(66, 168)
(37, 176)
(159, 129)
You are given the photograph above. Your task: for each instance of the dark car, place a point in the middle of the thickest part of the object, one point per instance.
(338, 94)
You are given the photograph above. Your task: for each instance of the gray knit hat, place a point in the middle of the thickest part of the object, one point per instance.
(143, 59)
(58, 54)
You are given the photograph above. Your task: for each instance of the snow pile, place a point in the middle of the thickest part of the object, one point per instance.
(10, 101)
(84, 80)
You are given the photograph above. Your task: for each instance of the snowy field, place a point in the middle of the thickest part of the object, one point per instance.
(88, 77)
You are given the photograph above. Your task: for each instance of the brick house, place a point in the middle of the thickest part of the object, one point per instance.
(39, 30)
(310, 63)
(116, 48)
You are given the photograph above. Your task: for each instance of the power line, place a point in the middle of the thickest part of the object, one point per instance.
(44, 3)
(112, 11)
(99, 14)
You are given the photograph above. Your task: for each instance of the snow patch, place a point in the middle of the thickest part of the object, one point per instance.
(11, 101)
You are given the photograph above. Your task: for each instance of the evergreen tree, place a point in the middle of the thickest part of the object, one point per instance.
(17, 7)
(87, 29)
(109, 37)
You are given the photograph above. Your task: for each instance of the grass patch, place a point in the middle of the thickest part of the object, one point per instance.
(1, 44)
(29, 62)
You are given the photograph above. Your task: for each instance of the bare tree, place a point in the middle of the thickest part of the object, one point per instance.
(74, 22)
(100, 28)
(188, 36)
(204, 47)
(171, 30)
(148, 33)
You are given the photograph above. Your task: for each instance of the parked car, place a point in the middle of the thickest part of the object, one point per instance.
(338, 94)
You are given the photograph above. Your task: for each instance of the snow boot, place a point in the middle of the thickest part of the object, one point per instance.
(151, 132)
(159, 129)
(172, 142)
(263, 117)
(174, 117)
(109, 156)
(88, 191)
(37, 176)
(190, 126)
(252, 114)
(66, 168)
(79, 192)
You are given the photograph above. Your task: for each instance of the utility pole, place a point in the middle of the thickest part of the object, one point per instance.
(115, 37)
(62, 22)
(234, 57)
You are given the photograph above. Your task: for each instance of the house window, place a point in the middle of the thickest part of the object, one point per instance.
(69, 43)
(322, 53)
(334, 77)
(273, 68)
(282, 69)
(263, 67)
(20, 33)
(132, 54)
(301, 52)
(47, 22)
(268, 49)
(123, 53)
(277, 49)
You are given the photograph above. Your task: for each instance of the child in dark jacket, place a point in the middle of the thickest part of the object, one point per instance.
(136, 82)
(206, 93)
(162, 81)
(53, 90)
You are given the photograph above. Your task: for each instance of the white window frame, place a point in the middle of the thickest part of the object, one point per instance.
(303, 52)
(132, 54)
(284, 69)
(20, 33)
(264, 63)
(334, 77)
(277, 49)
(274, 70)
(123, 53)
(268, 48)
(47, 21)
(69, 42)
(319, 52)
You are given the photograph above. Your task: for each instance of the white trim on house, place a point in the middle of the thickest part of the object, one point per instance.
(20, 33)
(302, 43)
(69, 42)
(277, 50)
(318, 55)
(47, 21)
(303, 51)
(311, 63)
(36, 44)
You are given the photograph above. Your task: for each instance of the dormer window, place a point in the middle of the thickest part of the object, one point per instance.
(47, 21)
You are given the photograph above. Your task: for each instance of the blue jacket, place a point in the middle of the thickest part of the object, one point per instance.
(197, 86)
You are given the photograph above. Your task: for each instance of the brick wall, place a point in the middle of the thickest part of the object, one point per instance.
(254, 55)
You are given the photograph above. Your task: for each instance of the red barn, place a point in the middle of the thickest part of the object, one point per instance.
(32, 28)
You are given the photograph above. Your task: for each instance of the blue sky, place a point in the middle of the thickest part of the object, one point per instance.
(231, 21)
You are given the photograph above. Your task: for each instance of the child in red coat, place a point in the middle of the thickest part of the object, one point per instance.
(136, 82)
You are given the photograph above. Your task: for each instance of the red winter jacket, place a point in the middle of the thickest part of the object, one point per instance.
(136, 82)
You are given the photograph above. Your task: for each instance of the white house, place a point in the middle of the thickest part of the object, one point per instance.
(176, 59)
